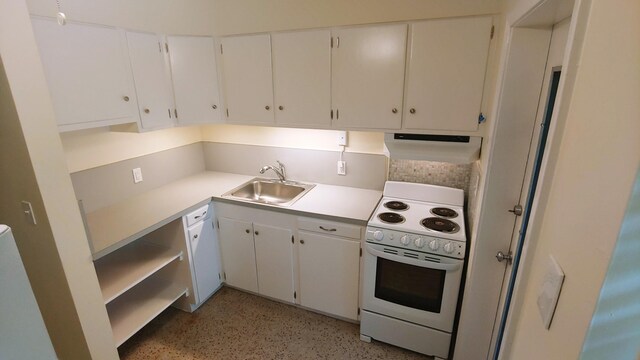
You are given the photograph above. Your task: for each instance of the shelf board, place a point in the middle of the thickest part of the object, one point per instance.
(130, 265)
(134, 309)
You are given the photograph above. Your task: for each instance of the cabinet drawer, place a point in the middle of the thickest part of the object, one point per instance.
(198, 215)
(330, 228)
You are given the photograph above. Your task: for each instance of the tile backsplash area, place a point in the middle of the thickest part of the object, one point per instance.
(431, 172)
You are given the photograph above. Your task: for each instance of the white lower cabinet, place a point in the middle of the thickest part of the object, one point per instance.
(205, 254)
(311, 262)
(329, 270)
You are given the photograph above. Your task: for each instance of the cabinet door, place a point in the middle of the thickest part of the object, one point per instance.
(195, 79)
(152, 78)
(329, 273)
(206, 258)
(302, 78)
(274, 260)
(238, 254)
(368, 76)
(445, 78)
(248, 81)
(88, 74)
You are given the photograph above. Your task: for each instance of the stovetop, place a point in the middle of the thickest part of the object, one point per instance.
(420, 217)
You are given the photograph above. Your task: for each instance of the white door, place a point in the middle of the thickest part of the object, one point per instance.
(238, 253)
(329, 274)
(195, 79)
(247, 78)
(206, 258)
(302, 78)
(368, 76)
(152, 78)
(88, 73)
(274, 261)
(445, 74)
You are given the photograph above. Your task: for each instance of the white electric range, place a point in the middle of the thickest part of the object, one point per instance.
(414, 257)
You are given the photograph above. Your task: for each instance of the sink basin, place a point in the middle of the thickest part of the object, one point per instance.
(268, 191)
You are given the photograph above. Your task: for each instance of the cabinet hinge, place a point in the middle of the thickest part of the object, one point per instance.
(481, 118)
(166, 47)
(175, 112)
(295, 296)
(292, 239)
(221, 51)
(493, 29)
(358, 311)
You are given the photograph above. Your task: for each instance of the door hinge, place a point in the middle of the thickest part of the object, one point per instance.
(166, 47)
(295, 296)
(292, 239)
(481, 118)
(175, 112)
(221, 51)
(493, 29)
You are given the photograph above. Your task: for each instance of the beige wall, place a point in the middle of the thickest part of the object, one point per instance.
(55, 251)
(592, 179)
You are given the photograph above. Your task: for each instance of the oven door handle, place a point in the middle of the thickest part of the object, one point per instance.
(409, 261)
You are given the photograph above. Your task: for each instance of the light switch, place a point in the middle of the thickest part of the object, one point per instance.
(28, 212)
(550, 291)
(137, 175)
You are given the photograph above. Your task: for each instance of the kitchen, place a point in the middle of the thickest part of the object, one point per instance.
(99, 147)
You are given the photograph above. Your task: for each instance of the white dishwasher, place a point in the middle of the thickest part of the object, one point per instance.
(204, 254)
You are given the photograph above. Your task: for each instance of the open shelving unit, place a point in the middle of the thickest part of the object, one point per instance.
(131, 265)
(134, 309)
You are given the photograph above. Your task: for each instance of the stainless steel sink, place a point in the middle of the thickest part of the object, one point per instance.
(269, 191)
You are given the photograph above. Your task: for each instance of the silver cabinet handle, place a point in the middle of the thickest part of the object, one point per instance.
(325, 229)
(146, 111)
(281, 107)
(125, 98)
(267, 107)
(394, 110)
(195, 236)
(412, 110)
(301, 241)
(214, 106)
(247, 231)
(257, 233)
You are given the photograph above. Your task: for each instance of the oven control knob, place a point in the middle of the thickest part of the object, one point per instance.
(404, 240)
(449, 248)
(378, 235)
(420, 242)
(434, 245)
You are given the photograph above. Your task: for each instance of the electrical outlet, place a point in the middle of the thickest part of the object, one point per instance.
(342, 168)
(342, 138)
(137, 175)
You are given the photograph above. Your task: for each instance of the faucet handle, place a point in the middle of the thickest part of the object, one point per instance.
(282, 169)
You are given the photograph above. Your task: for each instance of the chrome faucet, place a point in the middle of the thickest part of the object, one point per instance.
(280, 171)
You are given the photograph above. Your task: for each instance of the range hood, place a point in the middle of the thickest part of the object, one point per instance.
(443, 148)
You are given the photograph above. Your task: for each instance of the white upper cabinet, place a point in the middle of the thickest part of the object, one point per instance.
(302, 78)
(247, 79)
(152, 77)
(195, 79)
(368, 76)
(445, 75)
(88, 74)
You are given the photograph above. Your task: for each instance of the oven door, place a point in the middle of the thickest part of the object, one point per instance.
(421, 291)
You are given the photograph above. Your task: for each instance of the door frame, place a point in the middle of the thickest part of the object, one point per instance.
(532, 14)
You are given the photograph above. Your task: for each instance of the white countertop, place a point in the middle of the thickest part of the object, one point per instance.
(114, 226)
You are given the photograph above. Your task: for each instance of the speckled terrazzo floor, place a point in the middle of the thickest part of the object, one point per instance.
(237, 325)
